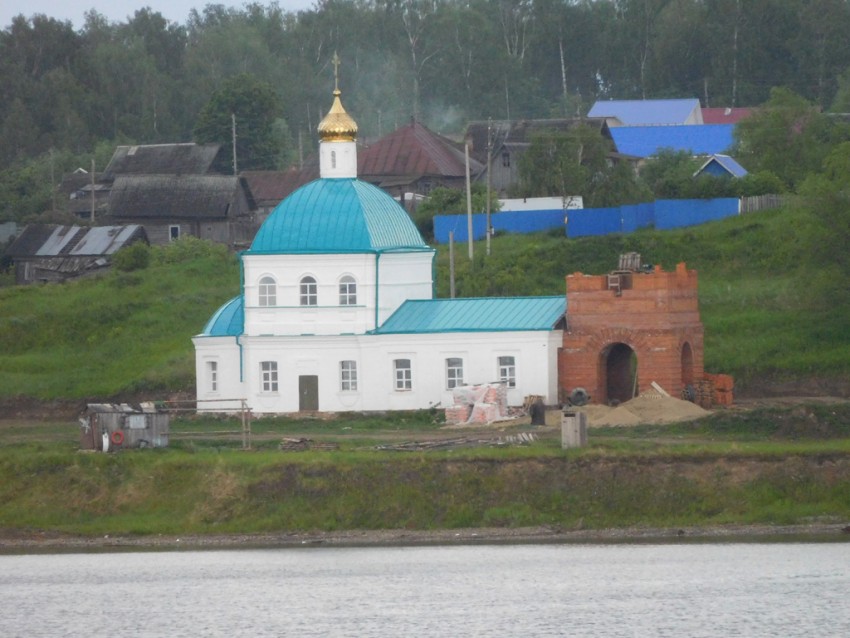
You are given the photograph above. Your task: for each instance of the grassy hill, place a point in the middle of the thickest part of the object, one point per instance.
(128, 333)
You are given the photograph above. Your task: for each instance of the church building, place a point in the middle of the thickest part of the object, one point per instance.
(337, 310)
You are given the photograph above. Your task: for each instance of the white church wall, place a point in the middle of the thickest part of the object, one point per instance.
(404, 276)
(374, 356)
(217, 374)
(400, 276)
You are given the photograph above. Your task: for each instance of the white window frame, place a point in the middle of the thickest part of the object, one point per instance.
(172, 236)
(267, 291)
(268, 377)
(507, 370)
(348, 376)
(454, 372)
(347, 291)
(308, 291)
(212, 376)
(402, 375)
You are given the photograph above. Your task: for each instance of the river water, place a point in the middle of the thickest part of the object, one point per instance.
(681, 590)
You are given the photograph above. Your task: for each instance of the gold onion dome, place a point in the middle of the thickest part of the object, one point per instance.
(337, 125)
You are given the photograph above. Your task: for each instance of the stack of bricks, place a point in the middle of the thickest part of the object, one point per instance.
(723, 385)
(489, 403)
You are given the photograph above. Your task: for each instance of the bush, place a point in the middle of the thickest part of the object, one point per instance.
(135, 257)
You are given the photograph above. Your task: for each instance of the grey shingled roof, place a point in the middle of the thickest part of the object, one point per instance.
(189, 196)
(162, 159)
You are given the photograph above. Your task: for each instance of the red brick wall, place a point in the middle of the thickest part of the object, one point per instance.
(654, 313)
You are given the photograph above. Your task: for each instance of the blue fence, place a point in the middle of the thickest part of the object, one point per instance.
(662, 214)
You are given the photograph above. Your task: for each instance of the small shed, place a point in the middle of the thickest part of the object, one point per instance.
(108, 427)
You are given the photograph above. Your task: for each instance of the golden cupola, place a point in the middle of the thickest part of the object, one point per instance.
(337, 125)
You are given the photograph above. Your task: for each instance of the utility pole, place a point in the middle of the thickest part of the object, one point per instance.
(233, 135)
(468, 201)
(92, 190)
(52, 182)
(452, 264)
(489, 151)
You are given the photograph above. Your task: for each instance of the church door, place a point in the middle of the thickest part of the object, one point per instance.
(308, 393)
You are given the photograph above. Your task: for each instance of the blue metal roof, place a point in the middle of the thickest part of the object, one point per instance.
(337, 216)
(647, 112)
(492, 314)
(698, 139)
(722, 165)
(228, 321)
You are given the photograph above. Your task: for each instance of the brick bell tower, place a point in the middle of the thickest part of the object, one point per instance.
(626, 329)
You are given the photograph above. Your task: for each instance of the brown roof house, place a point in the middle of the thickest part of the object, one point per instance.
(214, 207)
(407, 164)
(49, 253)
(414, 159)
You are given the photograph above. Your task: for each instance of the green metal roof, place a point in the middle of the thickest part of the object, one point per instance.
(492, 314)
(228, 321)
(337, 216)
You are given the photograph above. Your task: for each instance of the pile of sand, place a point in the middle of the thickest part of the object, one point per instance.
(650, 407)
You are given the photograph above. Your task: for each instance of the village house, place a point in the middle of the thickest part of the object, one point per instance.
(45, 253)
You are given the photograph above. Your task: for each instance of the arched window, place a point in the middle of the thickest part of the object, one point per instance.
(268, 291)
(347, 291)
(308, 291)
(333, 159)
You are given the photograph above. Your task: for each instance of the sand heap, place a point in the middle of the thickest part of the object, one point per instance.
(650, 407)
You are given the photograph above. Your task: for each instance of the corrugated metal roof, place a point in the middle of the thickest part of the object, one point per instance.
(647, 112)
(728, 165)
(728, 115)
(39, 240)
(644, 141)
(228, 321)
(337, 215)
(60, 239)
(105, 240)
(494, 314)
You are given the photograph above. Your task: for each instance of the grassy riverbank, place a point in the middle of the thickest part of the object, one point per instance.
(785, 467)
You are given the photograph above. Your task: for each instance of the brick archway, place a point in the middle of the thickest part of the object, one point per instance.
(653, 315)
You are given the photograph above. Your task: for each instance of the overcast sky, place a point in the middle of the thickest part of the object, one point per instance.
(120, 10)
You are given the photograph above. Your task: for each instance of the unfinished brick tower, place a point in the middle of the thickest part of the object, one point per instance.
(629, 328)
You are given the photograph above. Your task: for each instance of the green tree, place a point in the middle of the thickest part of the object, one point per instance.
(576, 162)
(254, 106)
(788, 136)
(451, 201)
(827, 198)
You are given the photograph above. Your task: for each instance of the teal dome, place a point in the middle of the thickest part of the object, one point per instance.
(337, 216)
(228, 321)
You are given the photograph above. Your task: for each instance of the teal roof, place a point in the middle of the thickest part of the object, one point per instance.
(337, 216)
(492, 314)
(228, 321)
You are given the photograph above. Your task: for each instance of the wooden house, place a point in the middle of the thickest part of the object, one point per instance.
(45, 253)
(218, 208)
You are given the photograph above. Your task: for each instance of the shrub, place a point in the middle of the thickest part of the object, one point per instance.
(135, 257)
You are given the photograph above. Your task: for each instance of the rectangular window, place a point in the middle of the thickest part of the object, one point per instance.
(268, 376)
(212, 375)
(173, 233)
(507, 371)
(347, 292)
(506, 159)
(309, 292)
(403, 374)
(348, 376)
(454, 372)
